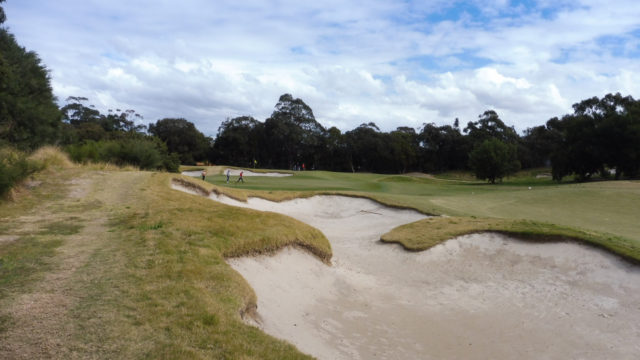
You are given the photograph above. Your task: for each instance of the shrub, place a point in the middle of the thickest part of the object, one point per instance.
(146, 153)
(14, 166)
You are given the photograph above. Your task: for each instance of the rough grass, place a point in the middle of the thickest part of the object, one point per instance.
(51, 156)
(426, 233)
(171, 294)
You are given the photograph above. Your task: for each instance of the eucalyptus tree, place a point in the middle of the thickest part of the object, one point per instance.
(182, 137)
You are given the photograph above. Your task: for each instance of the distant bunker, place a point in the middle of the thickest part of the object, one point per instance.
(235, 172)
(475, 296)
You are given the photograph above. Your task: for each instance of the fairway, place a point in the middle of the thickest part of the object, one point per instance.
(610, 207)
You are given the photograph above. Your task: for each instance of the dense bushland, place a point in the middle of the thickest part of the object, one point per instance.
(14, 167)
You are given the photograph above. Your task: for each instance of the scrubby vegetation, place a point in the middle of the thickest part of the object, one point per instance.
(14, 167)
(145, 153)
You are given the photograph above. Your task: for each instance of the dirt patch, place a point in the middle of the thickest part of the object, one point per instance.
(477, 296)
(8, 238)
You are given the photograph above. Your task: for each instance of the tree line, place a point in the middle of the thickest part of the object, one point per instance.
(601, 137)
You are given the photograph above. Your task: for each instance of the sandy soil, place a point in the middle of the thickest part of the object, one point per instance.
(233, 172)
(478, 296)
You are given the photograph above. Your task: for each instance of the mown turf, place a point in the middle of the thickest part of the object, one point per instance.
(609, 207)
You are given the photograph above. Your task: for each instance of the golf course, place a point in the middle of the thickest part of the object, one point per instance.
(98, 261)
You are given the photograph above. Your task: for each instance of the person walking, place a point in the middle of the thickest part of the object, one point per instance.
(240, 178)
(204, 174)
(228, 174)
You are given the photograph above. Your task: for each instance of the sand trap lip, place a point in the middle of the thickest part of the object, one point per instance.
(234, 172)
(477, 296)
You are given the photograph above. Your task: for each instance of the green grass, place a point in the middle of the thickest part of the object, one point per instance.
(156, 284)
(610, 207)
(23, 260)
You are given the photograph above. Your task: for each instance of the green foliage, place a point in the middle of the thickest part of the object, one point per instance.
(494, 159)
(601, 134)
(2, 15)
(442, 148)
(147, 153)
(14, 166)
(83, 122)
(29, 116)
(238, 141)
(182, 137)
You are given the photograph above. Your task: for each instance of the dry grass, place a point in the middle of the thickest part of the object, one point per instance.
(52, 156)
(424, 234)
(144, 275)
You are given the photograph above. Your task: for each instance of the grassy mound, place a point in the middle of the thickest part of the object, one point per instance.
(424, 234)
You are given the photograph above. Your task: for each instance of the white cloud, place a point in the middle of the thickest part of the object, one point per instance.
(394, 63)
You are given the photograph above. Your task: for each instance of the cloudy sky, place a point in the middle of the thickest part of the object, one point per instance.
(396, 63)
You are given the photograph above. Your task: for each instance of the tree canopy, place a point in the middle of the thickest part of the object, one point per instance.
(29, 116)
(182, 137)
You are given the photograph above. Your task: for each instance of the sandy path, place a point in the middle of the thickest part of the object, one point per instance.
(42, 325)
(477, 296)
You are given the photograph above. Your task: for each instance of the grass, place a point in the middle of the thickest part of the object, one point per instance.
(424, 234)
(23, 260)
(608, 207)
(170, 293)
(155, 283)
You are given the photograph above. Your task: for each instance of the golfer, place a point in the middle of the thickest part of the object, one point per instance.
(228, 174)
(204, 174)
(240, 178)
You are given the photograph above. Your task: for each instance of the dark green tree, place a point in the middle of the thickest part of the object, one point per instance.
(601, 134)
(370, 149)
(29, 116)
(293, 136)
(493, 160)
(182, 137)
(490, 126)
(2, 15)
(87, 123)
(442, 148)
(536, 146)
(404, 149)
(239, 142)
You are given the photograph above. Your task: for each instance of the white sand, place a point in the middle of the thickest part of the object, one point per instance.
(478, 296)
(233, 172)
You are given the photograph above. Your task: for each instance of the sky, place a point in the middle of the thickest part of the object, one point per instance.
(394, 63)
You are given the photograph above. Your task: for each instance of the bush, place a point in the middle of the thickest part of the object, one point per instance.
(146, 153)
(14, 166)
(51, 156)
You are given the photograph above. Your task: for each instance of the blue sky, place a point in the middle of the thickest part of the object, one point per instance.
(396, 63)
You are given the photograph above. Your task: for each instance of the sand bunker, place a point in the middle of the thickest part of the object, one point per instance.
(233, 172)
(477, 296)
